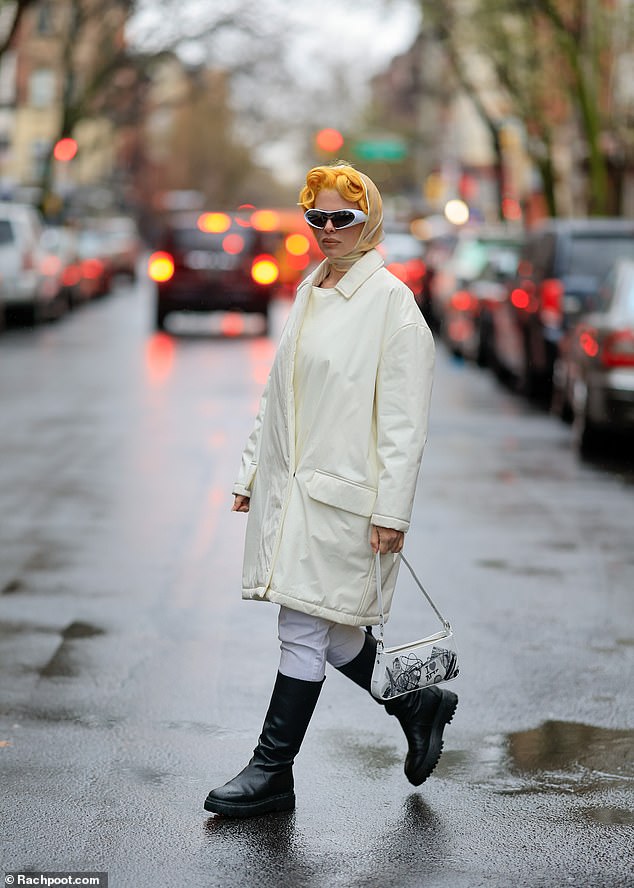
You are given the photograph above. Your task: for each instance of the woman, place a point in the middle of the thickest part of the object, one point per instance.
(328, 478)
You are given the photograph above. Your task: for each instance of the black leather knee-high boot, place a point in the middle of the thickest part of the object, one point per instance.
(422, 714)
(266, 784)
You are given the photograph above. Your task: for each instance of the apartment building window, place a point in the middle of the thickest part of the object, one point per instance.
(42, 88)
(39, 150)
(44, 24)
(7, 77)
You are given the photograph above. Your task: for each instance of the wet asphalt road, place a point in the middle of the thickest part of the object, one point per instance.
(134, 679)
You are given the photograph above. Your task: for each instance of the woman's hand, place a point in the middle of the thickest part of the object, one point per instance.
(386, 539)
(240, 503)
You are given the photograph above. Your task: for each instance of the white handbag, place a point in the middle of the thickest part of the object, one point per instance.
(418, 664)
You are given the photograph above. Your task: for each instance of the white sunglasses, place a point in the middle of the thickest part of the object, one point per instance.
(339, 218)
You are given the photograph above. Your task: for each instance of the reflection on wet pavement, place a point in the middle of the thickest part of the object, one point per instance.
(555, 757)
(63, 663)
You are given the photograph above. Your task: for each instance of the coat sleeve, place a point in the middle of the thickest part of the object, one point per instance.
(403, 394)
(249, 462)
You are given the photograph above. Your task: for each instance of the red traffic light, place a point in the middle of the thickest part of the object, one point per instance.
(329, 140)
(65, 150)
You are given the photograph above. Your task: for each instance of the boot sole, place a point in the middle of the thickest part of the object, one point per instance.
(443, 717)
(285, 802)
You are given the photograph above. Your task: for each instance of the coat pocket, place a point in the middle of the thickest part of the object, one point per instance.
(341, 493)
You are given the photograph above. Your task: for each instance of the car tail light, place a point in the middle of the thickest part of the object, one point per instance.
(550, 295)
(265, 269)
(589, 342)
(265, 220)
(28, 261)
(161, 267)
(618, 349)
(233, 244)
(462, 300)
(51, 266)
(91, 268)
(297, 244)
(523, 297)
(214, 223)
(71, 275)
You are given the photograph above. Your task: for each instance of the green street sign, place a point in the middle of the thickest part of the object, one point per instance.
(392, 149)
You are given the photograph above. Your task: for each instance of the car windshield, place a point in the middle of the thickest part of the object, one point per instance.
(593, 256)
(471, 256)
(6, 233)
(194, 239)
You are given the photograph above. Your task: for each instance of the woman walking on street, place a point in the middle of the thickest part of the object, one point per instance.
(328, 478)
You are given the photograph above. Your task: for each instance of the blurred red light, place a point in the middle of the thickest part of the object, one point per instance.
(264, 270)
(520, 298)
(265, 220)
(71, 276)
(161, 267)
(589, 344)
(65, 150)
(511, 209)
(245, 208)
(297, 244)
(329, 140)
(91, 268)
(232, 324)
(214, 223)
(233, 244)
(618, 349)
(462, 300)
(51, 266)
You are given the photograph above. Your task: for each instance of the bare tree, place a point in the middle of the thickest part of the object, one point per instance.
(11, 13)
(553, 60)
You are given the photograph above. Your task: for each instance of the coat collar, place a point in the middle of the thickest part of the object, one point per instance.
(354, 277)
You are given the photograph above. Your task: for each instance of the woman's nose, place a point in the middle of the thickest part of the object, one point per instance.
(329, 227)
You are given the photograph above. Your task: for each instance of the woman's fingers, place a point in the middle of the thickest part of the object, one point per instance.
(386, 539)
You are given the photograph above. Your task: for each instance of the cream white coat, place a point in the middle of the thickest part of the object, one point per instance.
(307, 540)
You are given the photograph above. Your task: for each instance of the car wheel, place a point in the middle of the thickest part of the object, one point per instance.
(161, 314)
(266, 315)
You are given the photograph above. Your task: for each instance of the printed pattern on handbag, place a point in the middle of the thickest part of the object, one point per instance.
(407, 672)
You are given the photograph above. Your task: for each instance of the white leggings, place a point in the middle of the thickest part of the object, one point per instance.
(307, 643)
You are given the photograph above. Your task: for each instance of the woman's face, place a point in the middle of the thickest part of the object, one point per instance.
(333, 242)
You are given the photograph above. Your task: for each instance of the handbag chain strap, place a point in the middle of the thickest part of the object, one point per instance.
(379, 594)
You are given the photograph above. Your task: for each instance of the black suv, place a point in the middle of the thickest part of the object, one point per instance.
(559, 271)
(213, 262)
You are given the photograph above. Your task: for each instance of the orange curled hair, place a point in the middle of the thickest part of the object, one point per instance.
(340, 177)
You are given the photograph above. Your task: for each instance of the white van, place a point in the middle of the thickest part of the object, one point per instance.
(20, 233)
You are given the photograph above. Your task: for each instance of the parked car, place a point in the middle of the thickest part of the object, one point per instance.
(59, 264)
(467, 261)
(467, 320)
(94, 263)
(559, 271)
(122, 244)
(438, 251)
(213, 262)
(403, 256)
(20, 282)
(594, 371)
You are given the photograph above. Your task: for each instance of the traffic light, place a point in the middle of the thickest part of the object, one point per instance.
(329, 140)
(65, 150)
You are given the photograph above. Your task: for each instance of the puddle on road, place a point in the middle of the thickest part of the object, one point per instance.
(63, 663)
(562, 757)
(566, 746)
